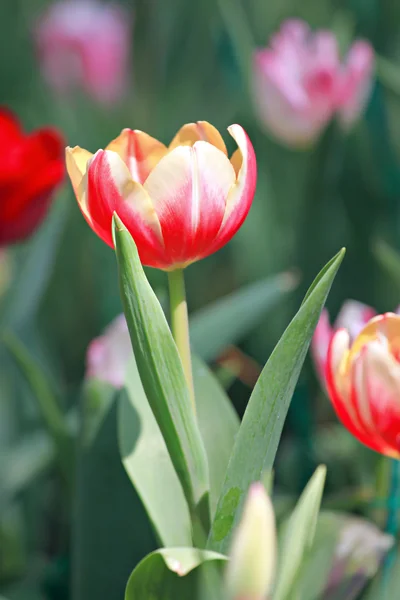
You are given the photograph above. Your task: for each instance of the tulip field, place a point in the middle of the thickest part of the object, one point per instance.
(200, 300)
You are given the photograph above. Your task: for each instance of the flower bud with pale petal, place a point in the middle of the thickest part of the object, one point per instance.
(250, 572)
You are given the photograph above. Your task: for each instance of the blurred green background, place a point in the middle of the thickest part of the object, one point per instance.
(190, 61)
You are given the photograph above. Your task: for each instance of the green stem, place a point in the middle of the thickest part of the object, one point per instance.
(180, 325)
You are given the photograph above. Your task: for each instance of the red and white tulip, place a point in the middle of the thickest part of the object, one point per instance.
(363, 380)
(180, 203)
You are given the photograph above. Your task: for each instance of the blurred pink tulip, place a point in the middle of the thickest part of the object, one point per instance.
(85, 43)
(108, 355)
(353, 316)
(301, 83)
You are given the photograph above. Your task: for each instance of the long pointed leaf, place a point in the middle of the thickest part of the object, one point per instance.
(160, 369)
(261, 428)
(298, 534)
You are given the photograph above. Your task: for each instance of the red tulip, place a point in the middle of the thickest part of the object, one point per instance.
(31, 167)
(180, 203)
(363, 380)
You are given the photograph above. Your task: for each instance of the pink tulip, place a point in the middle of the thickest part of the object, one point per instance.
(85, 43)
(353, 316)
(301, 83)
(108, 355)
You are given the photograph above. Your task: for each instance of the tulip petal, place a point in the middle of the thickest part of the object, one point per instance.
(76, 160)
(383, 327)
(139, 151)
(188, 188)
(191, 133)
(110, 188)
(360, 402)
(242, 192)
(380, 409)
(320, 343)
(353, 316)
(339, 387)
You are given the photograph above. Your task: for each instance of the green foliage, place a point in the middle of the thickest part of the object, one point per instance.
(260, 431)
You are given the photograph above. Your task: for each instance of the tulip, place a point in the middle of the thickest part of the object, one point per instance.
(352, 316)
(31, 167)
(300, 83)
(86, 44)
(251, 569)
(108, 355)
(363, 380)
(180, 203)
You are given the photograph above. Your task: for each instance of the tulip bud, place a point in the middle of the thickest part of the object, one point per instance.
(251, 569)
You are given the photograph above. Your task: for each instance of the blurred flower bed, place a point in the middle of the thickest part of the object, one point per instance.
(316, 86)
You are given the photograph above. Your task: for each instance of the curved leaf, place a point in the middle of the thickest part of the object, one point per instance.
(160, 369)
(146, 459)
(171, 573)
(257, 441)
(298, 534)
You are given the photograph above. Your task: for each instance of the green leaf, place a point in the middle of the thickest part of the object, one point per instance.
(47, 402)
(218, 422)
(148, 464)
(146, 459)
(315, 568)
(298, 534)
(171, 573)
(31, 281)
(257, 441)
(389, 260)
(160, 369)
(110, 530)
(230, 318)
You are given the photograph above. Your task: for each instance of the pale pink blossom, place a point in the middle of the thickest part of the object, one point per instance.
(108, 355)
(301, 83)
(86, 44)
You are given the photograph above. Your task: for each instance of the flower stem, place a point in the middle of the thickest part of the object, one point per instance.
(180, 325)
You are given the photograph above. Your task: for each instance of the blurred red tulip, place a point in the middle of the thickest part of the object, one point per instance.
(31, 167)
(180, 203)
(363, 380)
(85, 43)
(301, 82)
